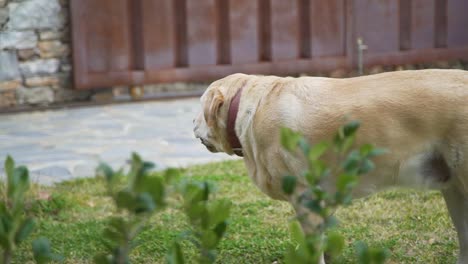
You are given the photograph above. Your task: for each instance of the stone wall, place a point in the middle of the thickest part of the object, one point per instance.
(35, 60)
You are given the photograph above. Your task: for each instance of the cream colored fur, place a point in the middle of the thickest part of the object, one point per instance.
(413, 114)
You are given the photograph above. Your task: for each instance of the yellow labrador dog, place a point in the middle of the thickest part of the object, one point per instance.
(421, 117)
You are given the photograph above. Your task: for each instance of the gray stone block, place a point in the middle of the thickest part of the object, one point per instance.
(3, 16)
(37, 14)
(8, 66)
(18, 40)
(35, 96)
(39, 67)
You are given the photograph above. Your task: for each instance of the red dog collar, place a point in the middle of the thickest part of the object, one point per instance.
(231, 124)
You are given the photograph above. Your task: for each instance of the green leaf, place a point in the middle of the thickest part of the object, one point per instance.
(115, 230)
(314, 206)
(335, 243)
(22, 175)
(206, 191)
(42, 251)
(351, 163)
(298, 255)
(345, 182)
(304, 146)
(24, 230)
(368, 255)
(219, 211)
(209, 239)
(318, 150)
(318, 169)
(9, 167)
(366, 166)
(330, 221)
(106, 171)
(196, 211)
(365, 149)
(350, 128)
(125, 200)
(289, 139)
(377, 152)
(175, 255)
(344, 139)
(347, 143)
(362, 252)
(135, 171)
(147, 166)
(171, 175)
(102, 259)
(155, 187)
(297, 236)
(220, 229)
(379, 255)
(369, 151)
(144, 203)
(289, 184)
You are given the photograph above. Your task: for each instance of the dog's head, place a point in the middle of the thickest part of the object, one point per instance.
(210, 124)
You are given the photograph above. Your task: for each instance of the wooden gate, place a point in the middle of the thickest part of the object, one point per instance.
(133, 42)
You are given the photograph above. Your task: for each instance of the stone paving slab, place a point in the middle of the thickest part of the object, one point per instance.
(64, 144)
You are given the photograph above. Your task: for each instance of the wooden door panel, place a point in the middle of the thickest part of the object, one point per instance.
(377, 23)
(244, 31)
(285, 30)
(327, 27)
(158, 34)
(201, 27)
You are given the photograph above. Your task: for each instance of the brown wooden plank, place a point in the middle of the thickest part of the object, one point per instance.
(244, 31)
(416, 56)
(293, 67)
(120, 40)
(280, 68)
(223, 41)
(440, 21)
(303, 7)
(377, 23)
(137, 49)
(405, 23)
(457, 22)
(350, 44)
(98, 33)
(285, 30)
(422, 24)
(79, 40)
(201, 32)
(328, 28)
(158, 34)
(179, 18)
(264, 25)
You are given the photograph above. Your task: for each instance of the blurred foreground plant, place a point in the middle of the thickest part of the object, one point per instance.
(352, 163)
(144, 195)
(15, 224)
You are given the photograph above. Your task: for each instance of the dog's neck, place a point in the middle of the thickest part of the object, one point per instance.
(231, 124)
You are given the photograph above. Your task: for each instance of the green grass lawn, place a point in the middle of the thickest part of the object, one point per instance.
(414, 226)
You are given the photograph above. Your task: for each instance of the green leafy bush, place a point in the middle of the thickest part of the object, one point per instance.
(146, 194)
(352, 163)
(15, 223)
(208, 219)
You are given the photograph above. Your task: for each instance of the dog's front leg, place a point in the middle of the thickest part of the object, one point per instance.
(457, 204)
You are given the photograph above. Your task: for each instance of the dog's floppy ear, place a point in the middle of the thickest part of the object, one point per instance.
(213, 106)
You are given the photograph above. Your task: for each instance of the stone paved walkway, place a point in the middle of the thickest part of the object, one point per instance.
(63, 144)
